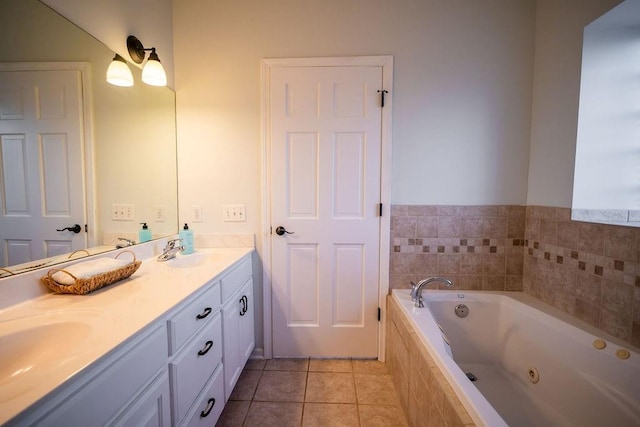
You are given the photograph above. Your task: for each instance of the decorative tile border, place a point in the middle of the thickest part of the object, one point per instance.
(613, 269)
(477, 247)
(457, 246)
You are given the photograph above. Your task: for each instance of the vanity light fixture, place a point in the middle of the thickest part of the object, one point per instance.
(119, 73)
(153, 72)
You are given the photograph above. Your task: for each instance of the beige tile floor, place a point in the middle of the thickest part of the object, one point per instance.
(313, 392)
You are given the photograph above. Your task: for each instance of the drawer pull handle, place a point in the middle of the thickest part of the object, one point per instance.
(205, 313)
(206, 348)
(209, 408)
(245, 305)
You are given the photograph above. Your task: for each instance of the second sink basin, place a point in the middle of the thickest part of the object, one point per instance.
(32, 346)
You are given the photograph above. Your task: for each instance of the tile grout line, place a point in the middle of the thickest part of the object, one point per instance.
(355, 390)
(304, 395)
(253, 395)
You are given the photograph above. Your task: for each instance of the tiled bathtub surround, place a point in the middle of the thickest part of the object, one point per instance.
(588, 270)
(425, 395)
(477, 247)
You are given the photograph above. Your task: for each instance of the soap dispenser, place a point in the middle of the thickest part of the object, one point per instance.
(186, 239)
(144, 235)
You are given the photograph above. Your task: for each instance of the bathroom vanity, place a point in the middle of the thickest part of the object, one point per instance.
(164, 347)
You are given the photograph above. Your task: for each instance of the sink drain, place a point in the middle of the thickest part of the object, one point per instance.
(534, 376)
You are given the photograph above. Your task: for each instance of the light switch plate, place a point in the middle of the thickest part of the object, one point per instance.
(234, 213)
(123, 212)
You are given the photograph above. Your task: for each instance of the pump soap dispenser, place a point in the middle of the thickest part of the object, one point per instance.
(144, 235)
(186, 239)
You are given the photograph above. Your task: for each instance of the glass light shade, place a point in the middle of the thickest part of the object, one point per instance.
(153, 73)
(119, 73)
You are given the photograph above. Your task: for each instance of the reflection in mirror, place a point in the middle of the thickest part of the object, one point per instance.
(125, 165)
(606, 186)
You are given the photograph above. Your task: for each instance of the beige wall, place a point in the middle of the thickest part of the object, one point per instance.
(556, 91)
(461, 96)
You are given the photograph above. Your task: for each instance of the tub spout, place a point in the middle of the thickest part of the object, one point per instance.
(416, 289)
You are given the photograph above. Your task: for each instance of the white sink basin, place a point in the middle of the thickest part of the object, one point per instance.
(191, 260)
(34, 345)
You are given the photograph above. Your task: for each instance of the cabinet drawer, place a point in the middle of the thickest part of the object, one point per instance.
(193, 366)
(233, 280)
(207, 409)
(196, 314)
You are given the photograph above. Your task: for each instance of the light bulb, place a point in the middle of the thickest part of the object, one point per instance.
(118, 73)
(153, 72)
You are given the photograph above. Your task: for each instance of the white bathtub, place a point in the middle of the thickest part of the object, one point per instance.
(503, 339)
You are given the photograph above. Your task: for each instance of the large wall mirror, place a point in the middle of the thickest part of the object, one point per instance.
(606, 185)
(128, 168)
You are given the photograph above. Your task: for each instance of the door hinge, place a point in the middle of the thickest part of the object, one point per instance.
(86, 228)
(379, 313)
(382, 92)
(380, 209)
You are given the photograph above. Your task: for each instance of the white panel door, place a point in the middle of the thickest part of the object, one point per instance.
(41, 169)
(325, 188)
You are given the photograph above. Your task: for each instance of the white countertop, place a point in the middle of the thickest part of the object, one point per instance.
(62, 334)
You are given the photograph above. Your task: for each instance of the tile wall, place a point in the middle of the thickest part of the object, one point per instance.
(587, 270)
(477, 247)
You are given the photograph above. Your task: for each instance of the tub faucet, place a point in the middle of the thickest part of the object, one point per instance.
(170, 250)
(416, 288)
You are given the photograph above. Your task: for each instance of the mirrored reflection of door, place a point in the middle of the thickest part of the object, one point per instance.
(41, 164)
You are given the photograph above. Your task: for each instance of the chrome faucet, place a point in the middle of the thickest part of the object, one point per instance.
(416, 289)
(170, 250)
(123, 243)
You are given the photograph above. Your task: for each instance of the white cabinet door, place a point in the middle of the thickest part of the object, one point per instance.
(112, 384)
(245, 334)
(238, 334)
(151, 408)
(231, 345)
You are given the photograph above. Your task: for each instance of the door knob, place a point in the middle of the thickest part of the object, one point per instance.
(76, 228)
(281, 231)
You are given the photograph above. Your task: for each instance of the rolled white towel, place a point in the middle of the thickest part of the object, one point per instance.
(87, 269)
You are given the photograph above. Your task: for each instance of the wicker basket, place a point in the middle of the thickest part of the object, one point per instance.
(82, 286)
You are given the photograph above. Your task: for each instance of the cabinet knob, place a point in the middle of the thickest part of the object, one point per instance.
(210, 403)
